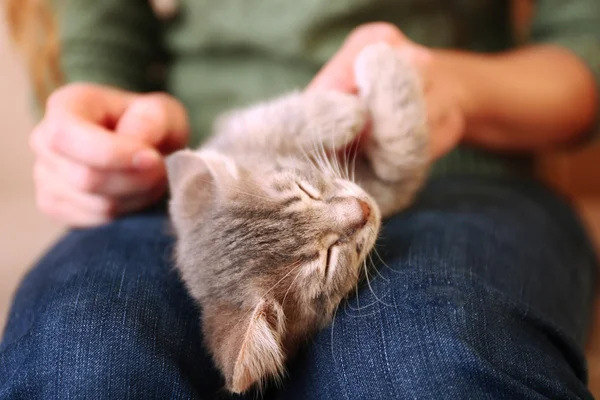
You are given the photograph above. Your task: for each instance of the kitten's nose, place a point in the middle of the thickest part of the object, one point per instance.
(366, 210)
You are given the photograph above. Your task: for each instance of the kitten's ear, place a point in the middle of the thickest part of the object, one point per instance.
(183, 164)
(259, 354)
(209, 166)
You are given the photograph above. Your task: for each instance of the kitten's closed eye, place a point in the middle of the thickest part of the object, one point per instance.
(331, 257)
(331, 254)
(309, 190)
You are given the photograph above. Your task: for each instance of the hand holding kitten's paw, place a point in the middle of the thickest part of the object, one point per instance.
(444, 93)
(391, 88)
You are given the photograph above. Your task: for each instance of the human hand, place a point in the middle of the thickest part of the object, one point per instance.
(445, 96)
(98, 152)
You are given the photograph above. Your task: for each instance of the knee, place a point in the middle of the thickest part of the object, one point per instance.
(464, 331)
(451, 338)
(101, 311)
(90, 269)
(77, 343)
(99, 340)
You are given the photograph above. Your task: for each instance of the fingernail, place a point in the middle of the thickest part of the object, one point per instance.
(146, 159)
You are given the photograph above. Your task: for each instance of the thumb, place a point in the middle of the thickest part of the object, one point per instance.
(338, 73)
(156, 119)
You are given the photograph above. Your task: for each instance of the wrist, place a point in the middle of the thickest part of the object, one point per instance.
(521, 100)
(465, 82)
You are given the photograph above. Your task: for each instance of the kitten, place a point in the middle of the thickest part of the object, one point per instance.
(272, 231)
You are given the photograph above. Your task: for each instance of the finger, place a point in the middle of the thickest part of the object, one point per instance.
(104, 182)
(86, 143)
(158, 120)
(92, 102)
(338, 72)
(62, 206)
(62, 202)
(54, 186)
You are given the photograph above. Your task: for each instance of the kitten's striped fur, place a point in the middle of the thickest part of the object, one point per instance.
(274, 226)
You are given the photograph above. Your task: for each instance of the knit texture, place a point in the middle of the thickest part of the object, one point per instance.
(217, 54)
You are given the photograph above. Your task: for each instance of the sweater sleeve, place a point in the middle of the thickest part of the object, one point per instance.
(111, 42)
(574, 25)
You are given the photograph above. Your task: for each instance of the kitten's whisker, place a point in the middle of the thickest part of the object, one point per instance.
(326, 157)
(291, 285)
(332, 330)
(334, 155)
(294, 265)
(347, 155)
(313, 158)
(306, 156)
(356, 294)
(359, 308)
(363, 315)
(379, 233)
(341, 156)
(375, 268)
(317, 150)
(355, 150)
(371, 287)
(381, 259)
(321, 154)
(374, 250)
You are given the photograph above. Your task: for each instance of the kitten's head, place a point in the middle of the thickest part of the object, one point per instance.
(269, 252)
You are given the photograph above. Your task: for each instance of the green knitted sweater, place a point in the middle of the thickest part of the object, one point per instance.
(218, 54)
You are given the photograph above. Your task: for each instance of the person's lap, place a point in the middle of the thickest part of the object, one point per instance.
(485, 292)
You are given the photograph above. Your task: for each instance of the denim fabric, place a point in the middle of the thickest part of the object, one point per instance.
(484, 291)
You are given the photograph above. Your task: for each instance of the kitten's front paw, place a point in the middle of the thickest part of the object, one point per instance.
(377, 65)
(391, 88)
(333, 119)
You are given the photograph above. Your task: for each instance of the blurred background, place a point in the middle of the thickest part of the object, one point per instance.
(25, 233)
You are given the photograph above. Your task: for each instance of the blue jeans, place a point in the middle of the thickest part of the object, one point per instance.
(484, 291)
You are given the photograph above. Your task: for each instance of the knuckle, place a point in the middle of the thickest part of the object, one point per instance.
(57, 98)
(155, 106)
(167, 108)
(52, 134)
(106, 208)
(159, 98)
(68, 93)
(61, 96)
(46, 203)
(385, 31)
(88, 179)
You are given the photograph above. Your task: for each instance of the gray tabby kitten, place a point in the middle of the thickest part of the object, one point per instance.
(274, 225)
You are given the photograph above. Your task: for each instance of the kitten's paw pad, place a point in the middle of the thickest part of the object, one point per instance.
(333, 119)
